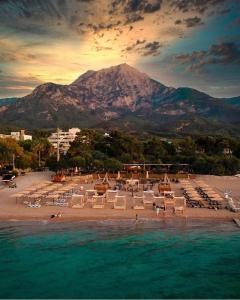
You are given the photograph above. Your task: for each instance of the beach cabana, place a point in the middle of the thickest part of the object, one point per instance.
(99, 201)
(89, 196)
(77, 201)
(120, 202)
(111, 196)
(180, 204)
(169, 204)
(138, 202)
(148, 197)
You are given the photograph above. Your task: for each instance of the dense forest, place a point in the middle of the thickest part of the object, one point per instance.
(94, 150)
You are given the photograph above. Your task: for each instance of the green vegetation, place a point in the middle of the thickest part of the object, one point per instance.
(95, 151)
(24, 154)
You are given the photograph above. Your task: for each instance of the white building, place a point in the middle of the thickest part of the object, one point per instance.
(18, 136)
(64, 138)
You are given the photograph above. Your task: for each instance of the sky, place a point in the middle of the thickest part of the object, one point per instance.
(190, 43)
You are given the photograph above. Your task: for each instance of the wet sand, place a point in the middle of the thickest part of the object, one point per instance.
(9, 210)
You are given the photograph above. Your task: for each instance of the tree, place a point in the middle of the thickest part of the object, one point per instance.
(112, 164)
(42, 148)
(9, 149)
(187, 146)
(98, 164)
(25, 161)
(78, 161)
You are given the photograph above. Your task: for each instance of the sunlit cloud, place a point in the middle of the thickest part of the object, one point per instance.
(56, 41)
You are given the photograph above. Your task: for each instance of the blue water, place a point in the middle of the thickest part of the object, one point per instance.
(171, 259)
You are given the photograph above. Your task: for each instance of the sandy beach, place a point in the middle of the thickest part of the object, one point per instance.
(9, 210)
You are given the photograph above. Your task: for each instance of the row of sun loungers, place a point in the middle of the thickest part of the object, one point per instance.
(46, 193)
(213, 198)
(202, 195)
(192, 196)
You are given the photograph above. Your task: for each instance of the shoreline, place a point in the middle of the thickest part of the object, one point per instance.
(110, 218)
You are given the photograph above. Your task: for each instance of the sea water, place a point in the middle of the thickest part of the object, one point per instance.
(120, 259)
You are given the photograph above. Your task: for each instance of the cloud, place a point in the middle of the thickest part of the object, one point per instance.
(146, 6)
(236, 22)
(190, 22)
(144, 48)
(134, 10)
(134, 46)
(101, 26)
(48, 38)
(199, 6)
(224, 11)
(152, 7)
(151, 48)
(133, 18)
(11, 85)
(218, 54)
(225, 53)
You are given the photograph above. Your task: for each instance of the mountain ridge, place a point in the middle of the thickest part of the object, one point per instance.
(113, 95)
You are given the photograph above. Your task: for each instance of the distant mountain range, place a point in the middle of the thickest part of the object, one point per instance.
(233, 101)
(7, 101)
(122, 97)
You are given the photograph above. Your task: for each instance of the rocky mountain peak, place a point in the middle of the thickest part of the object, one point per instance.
(116, 93)
(122, 73)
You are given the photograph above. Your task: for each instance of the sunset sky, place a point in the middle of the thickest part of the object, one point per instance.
(178, 42)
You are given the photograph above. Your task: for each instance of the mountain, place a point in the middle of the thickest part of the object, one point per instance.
(233, 101)
(7, 101)
(121, 96)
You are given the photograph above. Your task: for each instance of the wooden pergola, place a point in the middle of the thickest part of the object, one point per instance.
(148, 167)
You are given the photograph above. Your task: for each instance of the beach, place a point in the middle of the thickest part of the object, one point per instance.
(106, 254)
(10, 210)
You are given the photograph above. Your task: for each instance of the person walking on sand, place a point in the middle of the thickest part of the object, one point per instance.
(136, 219)
(59, 214)
(157, 210)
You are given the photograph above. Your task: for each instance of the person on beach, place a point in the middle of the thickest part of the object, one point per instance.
(157, 210)
(59, 214)
(136, 218)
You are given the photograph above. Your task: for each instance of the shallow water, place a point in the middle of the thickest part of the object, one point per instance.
(119, 259)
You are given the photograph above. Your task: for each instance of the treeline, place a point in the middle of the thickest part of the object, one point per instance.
(95, 151)
(25, 154)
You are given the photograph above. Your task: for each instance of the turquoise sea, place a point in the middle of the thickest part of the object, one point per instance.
(120, 259)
